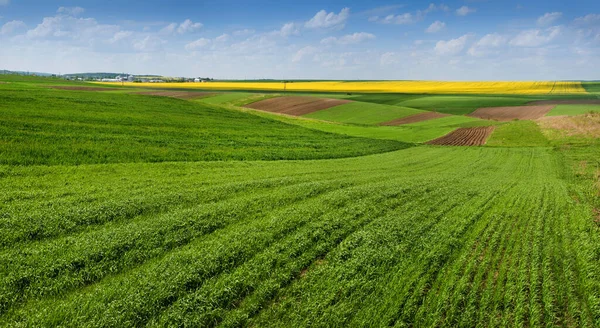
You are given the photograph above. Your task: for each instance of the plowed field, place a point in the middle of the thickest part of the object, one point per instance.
(465, 137)
(511, 113)
(177, 94)
(296, 106)
(415, 118)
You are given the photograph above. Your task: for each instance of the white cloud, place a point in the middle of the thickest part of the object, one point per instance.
(169, 29)
(322, 19)
(436, 27)
(286, 30)
(12, 26)
(549, 18)
(306, 51)
(485, 44)
(451, 47)
(121, 35)
(71, 11)
(200, 43)
(222, 38)
(244, 32)
(149, 44)
(433, 7)
(535, 37)
(402, 19)
(464, 11)
(61, 26)
(355, 38)
(4, 2)
(588, 19)
(186, 26)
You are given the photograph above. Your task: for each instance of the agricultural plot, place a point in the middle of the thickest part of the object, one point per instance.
(573, 110)
(415, 118)
(126, 210)
(296, 106)
(177, 94)
(465, 137)
(512, 113)
(409, 87)
(97, 127)
(461, 105)
(362, 113)
(429, 236)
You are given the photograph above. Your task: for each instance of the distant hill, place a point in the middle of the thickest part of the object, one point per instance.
(97, 75)
(5, 71)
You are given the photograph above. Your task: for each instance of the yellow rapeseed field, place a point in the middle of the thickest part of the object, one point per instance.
(427, 87)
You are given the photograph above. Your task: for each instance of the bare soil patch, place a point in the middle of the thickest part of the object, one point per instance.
(465, 137)
(415, 118)
(566, 102)
(59, 87)
(587, 125)
(511, 113)
(296, 106)
(177, 94)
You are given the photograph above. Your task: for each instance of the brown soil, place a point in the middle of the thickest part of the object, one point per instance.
(511, 113)
(83, 88)
(465, 137)
(177, 94)
(415, 118)
(296, 106)
(566, 102)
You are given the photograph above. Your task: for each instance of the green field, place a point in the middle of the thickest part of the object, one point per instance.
(573, 110)
(121, 210)
(455, 105)
(363, 113)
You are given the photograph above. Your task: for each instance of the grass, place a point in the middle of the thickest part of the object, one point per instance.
(461, 105)
(95, 127)
(423, 236)
(573, 110)
(363, 113)
(225, 98)
(518, 134)
(592, 87)
(338, 242)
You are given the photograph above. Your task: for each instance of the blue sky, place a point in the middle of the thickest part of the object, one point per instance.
(451, 40)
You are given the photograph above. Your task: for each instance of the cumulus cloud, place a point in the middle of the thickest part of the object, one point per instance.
(409, 18)
(402, 19)
(222, 38)
(62, 26)
(286, 30)
(464, 11)
(198, 44)
(72, 11)
(451, 47)
(121, 35)
(11, 27)
(486, 43)
(149, 44)
(323, 19)
(302, 53)
(436, 27)
(549, 18)
(186, 26)
(244, 32)
(433, 7)
(535, 37)
(588, 19)
(355, 38)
